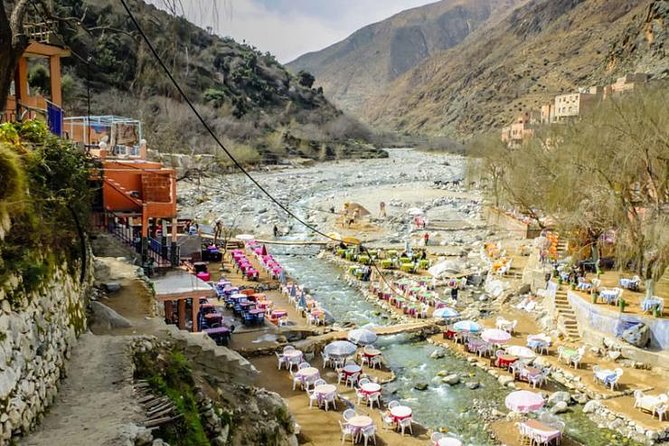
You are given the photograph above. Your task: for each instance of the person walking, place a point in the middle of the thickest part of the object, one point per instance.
(275, 230)
(426, 238)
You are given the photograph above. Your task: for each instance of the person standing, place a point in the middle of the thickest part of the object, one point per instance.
(275, 231)
(426, 238)
(382, 209)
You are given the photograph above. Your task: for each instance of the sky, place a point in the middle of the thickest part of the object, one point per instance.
(290, 28)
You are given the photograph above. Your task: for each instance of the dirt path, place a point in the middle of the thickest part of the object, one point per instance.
(94, 401)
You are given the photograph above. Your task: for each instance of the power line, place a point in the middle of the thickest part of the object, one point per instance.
(209, 130)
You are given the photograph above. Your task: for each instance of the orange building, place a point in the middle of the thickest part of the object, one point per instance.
(137, 197)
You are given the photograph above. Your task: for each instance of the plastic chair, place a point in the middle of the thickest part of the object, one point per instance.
(297, 379)
(404, 424)
(330, 398)
(352, 379)
(388, 421)
(376, 361)
(281, 360)
(320, 382)
(303, 365)
(288, 348)
(435, 437)
(348, 413)
(345, 431)
(368, 433)
(312, 397)
(393, 403)
(374, 397)
(326, 359)
(363, 381)
(361, 395)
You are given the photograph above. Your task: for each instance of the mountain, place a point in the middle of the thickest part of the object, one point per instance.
(361, 66)
(260, 110)
(540, 49)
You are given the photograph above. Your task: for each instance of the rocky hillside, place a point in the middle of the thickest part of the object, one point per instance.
(362, 65)
(261, 110)
(540, 49)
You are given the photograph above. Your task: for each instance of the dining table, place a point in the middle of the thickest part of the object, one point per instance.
(370, 388)
(308, 373)
(399, 413)
(545, 432)
(506, 360)
(323, 390)
(351, 369)
(291, 354)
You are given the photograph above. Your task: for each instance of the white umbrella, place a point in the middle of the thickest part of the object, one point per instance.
(495, 336)
(521, 352)
(415, 211)
(445, 313)
(340, 349)
(245, 237)
(362, 336)
(469, 326)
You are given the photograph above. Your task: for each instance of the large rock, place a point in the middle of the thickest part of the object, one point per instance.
(505, 380)
(438, 353)
(591, 406)
(559, 397)
(560, 407)
(108, 317)
(420, 386)
(452, 379)
(639, 335)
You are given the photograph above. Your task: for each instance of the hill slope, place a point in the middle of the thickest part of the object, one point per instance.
(262, 111)
(541, 49)
(362, 65)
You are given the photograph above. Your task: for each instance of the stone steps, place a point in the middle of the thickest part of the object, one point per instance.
(566, 313)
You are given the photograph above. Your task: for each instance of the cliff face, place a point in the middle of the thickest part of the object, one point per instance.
(541, 49)
(361, 66)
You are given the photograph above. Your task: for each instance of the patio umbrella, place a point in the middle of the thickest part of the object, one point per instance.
(245, 237)
(415, 211)
(293, 290)
(521, 352)
(340, 349)
(302, 302)
(445, 313)
(362, 336)
(524, 401)
(263, 251)
(495, 336)
(467, 325)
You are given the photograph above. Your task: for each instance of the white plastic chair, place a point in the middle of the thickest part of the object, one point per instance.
(576, 360)
(281, 360)
(313, 397)
(393, 403)
(296, 361)
(368, 433)
(288, 348)
(303, 365)
(363, 381)
(352, 379)
(374, 397)
(661, 408)
(404, 424)
(376, 361)
(361, 395)
(346, 431)
(297, 379)
(319, 382)
(388, 421)
(330, 398)
(348, 413)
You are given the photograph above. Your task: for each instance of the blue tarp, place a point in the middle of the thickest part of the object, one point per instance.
(54, 117)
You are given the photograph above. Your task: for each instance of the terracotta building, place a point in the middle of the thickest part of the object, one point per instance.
(520, 130)
(572, 105)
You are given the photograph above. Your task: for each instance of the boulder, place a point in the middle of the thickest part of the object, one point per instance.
(559, 397)
(420, 386)
(505, 380)
(591, 406)
(108, 317)
(438, 353)
(451, 379)
(472, 385)
(638, 335)
(111, 287)
(559, 407)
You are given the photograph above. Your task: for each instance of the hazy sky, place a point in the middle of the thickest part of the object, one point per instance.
(290, 28)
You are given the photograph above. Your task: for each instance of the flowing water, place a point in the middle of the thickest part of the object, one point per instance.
(440, 406)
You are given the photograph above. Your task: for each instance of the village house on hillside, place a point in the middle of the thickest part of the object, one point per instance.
(568, 106)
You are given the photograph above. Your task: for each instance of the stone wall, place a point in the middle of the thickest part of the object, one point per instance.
(37, 332)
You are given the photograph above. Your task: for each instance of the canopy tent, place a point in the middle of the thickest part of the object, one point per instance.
(445, 268)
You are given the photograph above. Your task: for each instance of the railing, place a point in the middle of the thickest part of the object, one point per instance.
(161, 253)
